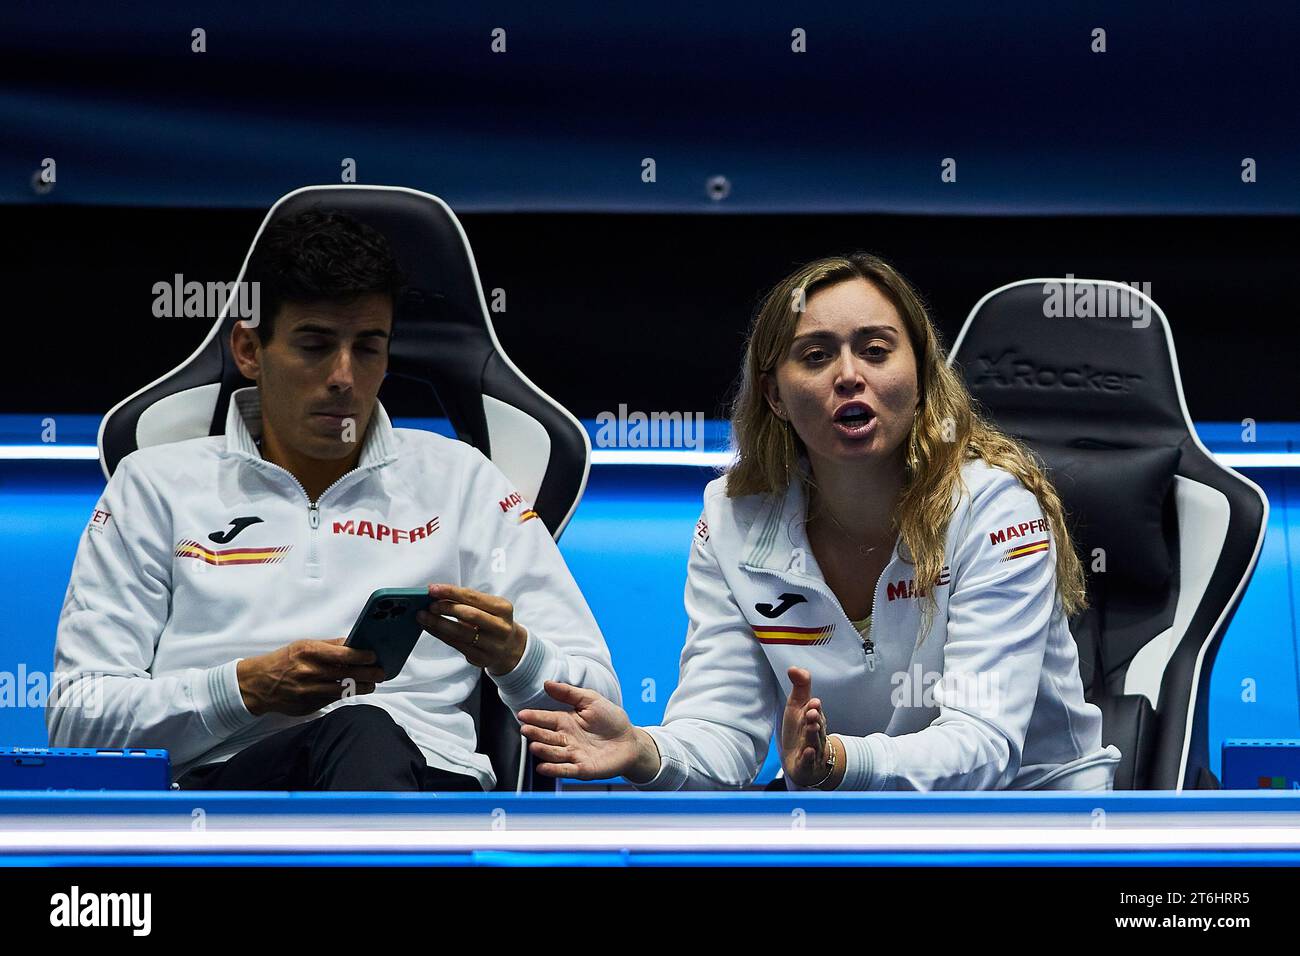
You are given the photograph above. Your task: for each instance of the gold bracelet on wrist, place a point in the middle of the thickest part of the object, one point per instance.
(830, 764)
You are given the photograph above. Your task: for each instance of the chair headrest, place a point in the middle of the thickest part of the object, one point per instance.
(1055, 360)
(442, 336)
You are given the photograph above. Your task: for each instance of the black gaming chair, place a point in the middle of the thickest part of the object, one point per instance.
(1168, 537)
(443, 337)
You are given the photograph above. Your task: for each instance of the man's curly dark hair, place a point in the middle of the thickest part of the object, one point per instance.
(319, 255)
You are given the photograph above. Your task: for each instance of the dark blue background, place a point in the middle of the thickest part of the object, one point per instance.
(561, 121)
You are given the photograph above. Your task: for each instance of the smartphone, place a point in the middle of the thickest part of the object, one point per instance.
(387, 626)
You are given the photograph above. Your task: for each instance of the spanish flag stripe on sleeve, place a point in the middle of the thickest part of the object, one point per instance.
(1026, 549)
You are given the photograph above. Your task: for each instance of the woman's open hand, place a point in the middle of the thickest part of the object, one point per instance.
(804, 745)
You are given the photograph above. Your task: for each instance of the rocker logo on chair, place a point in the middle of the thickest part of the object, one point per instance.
(241, 675)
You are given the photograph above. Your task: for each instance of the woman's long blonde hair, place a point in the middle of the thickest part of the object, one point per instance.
(946, 433)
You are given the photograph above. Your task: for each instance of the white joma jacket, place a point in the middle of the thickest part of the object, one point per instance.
(201, 553)
(990, 699)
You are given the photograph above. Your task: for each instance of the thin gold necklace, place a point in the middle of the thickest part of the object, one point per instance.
(862, 549)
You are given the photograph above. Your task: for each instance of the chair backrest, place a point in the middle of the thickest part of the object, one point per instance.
(442, 337)
(1085, 373)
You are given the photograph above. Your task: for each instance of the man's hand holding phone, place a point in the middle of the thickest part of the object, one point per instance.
(484, 630)
(302, 677)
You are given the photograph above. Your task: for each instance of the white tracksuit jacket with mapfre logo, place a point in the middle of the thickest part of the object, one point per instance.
(201, 553)
(991, 698)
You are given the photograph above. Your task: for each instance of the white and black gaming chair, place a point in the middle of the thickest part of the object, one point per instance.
(442, 336)
(1101, 402)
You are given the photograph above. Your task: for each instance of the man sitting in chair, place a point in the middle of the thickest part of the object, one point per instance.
(216, 574)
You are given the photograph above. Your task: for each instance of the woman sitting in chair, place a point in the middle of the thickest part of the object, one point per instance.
(878, 540)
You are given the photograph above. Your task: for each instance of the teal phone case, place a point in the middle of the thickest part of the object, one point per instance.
(387, 626)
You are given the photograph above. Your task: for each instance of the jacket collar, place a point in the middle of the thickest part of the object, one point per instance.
(244, 428)
(779, 529)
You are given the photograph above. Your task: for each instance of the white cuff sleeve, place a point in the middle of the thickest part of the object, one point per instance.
(672, 764)
(219, 701)
(522, 686)
(865, 762)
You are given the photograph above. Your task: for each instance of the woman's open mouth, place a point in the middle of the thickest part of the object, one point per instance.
(854, 420)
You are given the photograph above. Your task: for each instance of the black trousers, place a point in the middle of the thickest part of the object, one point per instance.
(358, 747)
